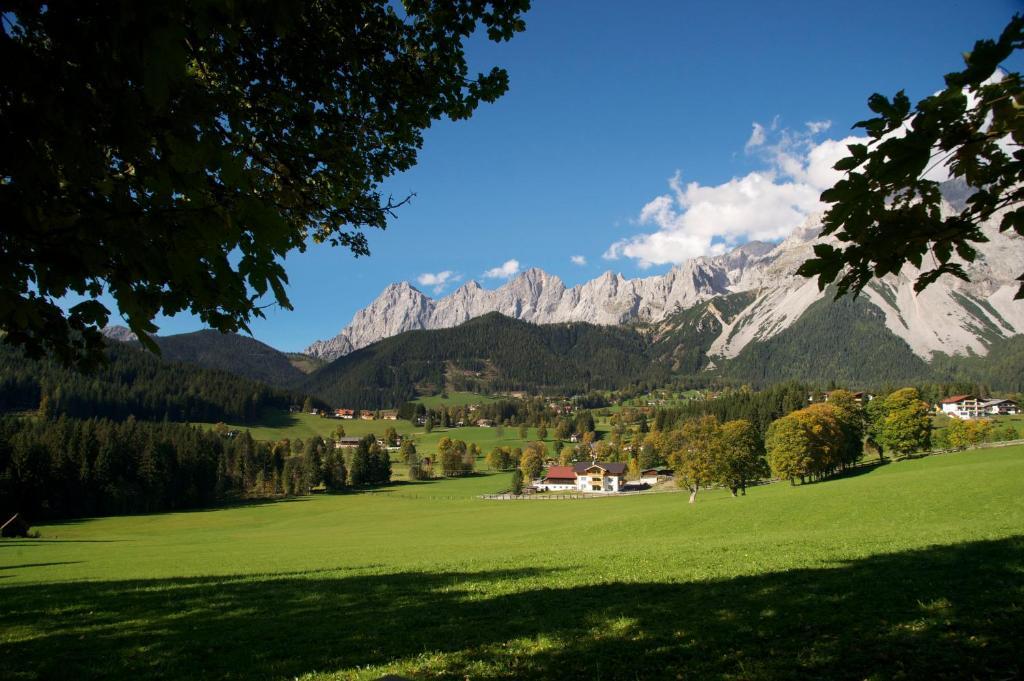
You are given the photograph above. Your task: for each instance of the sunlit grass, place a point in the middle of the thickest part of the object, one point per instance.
(909, 569)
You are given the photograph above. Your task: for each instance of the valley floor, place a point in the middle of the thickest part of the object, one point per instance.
(909, 570)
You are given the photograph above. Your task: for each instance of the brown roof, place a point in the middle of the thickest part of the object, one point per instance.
(613, 468)
(957, 398)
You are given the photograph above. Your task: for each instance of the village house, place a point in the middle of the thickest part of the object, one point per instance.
(389, 414)
(595, 476)
(484, 423)
(366, 415)
(345, 413)
(997, 407)
(599, 476)
(344, 442)
(972, 407)
(652, 476)
(559, 478)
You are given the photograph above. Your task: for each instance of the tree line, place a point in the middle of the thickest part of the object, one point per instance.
(58, 468)
(133, 383)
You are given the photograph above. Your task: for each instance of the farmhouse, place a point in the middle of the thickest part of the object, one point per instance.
(560, 478)
(345, 413)
(600, 476)
(343, 442)
(996, 407)
(961, 406)
(366, 415)
(652, 476)
(971, 407)
(596, 476)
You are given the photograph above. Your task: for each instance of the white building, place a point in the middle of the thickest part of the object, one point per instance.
(971, 407)
(961, 407)
(595, 476)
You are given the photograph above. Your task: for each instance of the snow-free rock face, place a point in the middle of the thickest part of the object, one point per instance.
(119, 333)
(951, 316)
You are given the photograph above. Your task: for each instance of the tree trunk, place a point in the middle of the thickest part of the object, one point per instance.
(732, 490)
(693, 494)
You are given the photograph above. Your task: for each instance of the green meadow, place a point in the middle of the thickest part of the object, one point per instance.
(278, 425)
(913, 569)
(455, 399)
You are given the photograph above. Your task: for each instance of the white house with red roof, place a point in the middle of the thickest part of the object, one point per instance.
(595, 476)
(559, 478)
(971, 407)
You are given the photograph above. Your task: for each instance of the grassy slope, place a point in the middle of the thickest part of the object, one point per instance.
(910, 570)
(455, 399)
(277, 425)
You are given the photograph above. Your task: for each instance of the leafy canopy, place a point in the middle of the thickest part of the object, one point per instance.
(886, 213)
(172, 153)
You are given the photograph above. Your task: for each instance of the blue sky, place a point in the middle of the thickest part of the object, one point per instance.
(608, 102)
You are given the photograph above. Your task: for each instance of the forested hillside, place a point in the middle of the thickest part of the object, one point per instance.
(54, 468)
(492, 353)
(231, 352)
(133, 383)
(683, 338)
(1002, 368)
(843, 341)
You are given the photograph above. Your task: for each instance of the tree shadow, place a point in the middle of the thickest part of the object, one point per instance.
(852, 472)
(945, 612)
(37, 565)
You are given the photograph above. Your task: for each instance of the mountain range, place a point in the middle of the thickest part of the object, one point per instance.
(951, 317)
(741, 317)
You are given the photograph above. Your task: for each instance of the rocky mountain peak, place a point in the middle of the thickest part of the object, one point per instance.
(950, 316)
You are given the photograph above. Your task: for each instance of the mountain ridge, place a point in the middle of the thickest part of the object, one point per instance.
(951, 317)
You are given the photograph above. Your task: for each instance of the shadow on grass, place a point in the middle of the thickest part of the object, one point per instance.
(222, 505)
(938, 613)
(22, 542)
(853, 472)
(36, 565)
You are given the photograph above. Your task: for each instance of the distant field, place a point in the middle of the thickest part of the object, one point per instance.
(908, 570)
(941, 421)
(455, 399)
(278, 425)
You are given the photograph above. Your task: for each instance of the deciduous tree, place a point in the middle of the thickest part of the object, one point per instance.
(886, 212)
(742, 456)
(532, 464)
(695, 458)
(181, 150)
(907, 425)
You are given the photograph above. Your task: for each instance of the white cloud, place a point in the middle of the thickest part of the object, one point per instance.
(694, 220)
(815, 127)
(503, 271)
(757, 137)
(439, 280)
(578, 260)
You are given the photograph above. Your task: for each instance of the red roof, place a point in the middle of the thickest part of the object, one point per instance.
(561, 472)
(957, 398)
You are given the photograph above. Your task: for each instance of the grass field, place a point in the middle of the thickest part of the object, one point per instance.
(909, 570)
(455, 399)
(277, 425)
